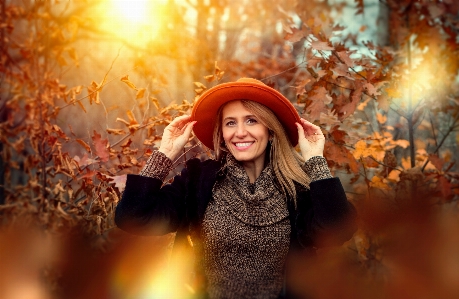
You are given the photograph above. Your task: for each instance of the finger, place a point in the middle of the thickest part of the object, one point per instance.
(180, 121)
(300, 130)
(188, 128)
(310, 128)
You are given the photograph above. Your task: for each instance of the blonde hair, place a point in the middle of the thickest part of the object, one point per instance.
(284, 159)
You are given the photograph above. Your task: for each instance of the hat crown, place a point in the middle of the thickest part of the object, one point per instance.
(250, 80)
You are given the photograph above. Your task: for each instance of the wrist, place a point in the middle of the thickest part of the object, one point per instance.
(168, 153)
(310, 155)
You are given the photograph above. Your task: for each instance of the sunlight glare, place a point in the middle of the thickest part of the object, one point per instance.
(133, 11)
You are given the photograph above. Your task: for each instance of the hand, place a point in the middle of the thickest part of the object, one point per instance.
(175, 136)
(311, 139)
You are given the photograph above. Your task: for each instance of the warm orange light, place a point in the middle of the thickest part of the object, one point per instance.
(136, 21)
(134, 11)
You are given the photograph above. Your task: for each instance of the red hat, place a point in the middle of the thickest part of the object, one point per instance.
(206, 108)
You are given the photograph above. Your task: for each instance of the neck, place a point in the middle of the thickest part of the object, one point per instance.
(253, 170)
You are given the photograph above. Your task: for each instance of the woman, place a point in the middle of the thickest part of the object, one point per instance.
(257, 201)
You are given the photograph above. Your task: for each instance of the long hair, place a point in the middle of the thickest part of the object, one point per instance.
(284, 159)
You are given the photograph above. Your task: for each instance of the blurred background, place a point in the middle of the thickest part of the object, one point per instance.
(86, 88)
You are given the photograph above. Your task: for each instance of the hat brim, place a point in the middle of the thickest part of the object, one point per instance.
(206, 108)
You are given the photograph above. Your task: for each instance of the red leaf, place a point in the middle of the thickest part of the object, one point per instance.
(349, 108)
(444, 186)
(101, 147)
(436, 161)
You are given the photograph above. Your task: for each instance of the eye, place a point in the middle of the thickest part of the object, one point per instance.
(230, 123)
(252, 121)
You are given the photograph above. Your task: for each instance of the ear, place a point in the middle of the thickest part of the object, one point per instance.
(271, 135)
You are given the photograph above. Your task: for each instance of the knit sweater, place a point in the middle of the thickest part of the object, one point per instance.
(245, 230)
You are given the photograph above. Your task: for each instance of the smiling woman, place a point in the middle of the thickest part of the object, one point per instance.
(242, 213)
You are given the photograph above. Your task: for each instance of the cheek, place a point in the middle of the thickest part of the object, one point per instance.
(226, 134)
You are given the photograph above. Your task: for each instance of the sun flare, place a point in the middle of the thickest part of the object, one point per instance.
(136, 21)
(135, 11)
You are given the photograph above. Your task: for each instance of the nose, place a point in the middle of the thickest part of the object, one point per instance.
(241, 130)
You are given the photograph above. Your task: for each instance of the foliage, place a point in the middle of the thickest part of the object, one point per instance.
(390, 111)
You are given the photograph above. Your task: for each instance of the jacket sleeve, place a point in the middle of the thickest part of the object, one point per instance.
(146, 208)
(325, 217)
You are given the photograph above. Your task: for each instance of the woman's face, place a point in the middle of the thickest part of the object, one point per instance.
(245, 137)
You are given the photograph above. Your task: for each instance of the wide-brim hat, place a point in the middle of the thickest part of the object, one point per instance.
(206, 107)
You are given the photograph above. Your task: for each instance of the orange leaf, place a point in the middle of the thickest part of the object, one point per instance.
(200, 85)
(381, 118)
(402, 143)
(116, 131)
(84, 144)
(140, 93)
(126, 80)
(361, 150)
(210, 78)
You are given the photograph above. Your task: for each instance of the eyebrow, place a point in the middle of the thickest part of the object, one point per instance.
(245, 116)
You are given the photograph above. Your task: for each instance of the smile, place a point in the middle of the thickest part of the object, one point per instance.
(243, 145)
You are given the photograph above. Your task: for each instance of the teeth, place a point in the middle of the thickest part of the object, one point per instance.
(243, 144)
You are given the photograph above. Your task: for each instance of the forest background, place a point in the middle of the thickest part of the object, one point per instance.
(86, 88)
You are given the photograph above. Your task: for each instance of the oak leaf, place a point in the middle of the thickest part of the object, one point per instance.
(320, 100)
(321, 46)
(101, 147)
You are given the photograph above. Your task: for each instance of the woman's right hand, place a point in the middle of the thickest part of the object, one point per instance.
(175, 136)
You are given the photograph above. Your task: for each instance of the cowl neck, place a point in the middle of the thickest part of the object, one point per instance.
(260, 203)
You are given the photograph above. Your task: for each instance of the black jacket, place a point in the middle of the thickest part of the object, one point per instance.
(146, 208)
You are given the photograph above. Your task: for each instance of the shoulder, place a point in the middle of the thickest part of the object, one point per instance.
(207, 166)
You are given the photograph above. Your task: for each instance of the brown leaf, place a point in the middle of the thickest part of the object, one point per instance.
(93, 93)
(116, 131)
(345, 58)
(318, 105)
(101, 147)
(294, 35)
(322, 46)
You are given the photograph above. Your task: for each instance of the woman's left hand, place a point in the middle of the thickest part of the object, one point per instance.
(311, 139)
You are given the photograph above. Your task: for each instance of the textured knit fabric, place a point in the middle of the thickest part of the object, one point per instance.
(157, 166)
(149, 207)
(317, 169)
(246, 236)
